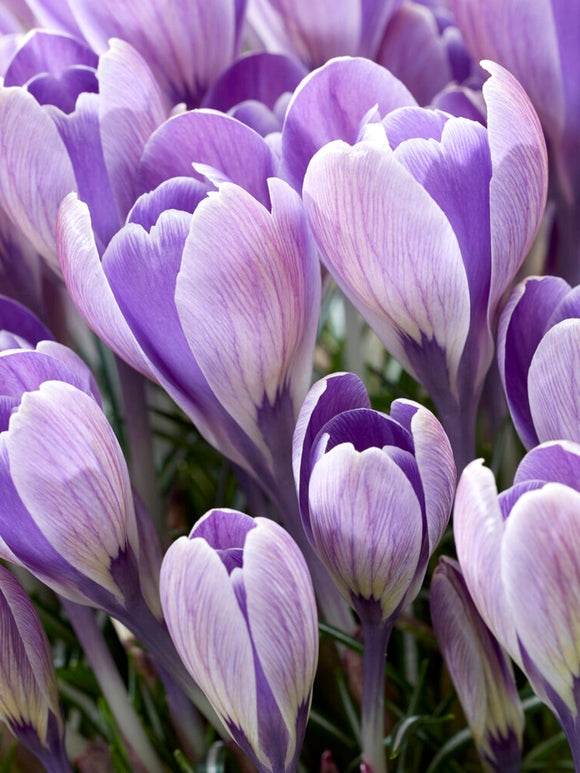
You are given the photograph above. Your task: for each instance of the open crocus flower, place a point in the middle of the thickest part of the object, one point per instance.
(537, 41)
(539, 359)
(481, 671)
(519, 554)
(240, 608)
(29, 701)
(186, 43)
(73, 121)
(424, 223)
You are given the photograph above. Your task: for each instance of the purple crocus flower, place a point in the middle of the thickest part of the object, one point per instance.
(187, 43)
(538, 41)
(73, 121)
(240, 608)
(423, 223)
(539, 359)
(29, 701)
(519, 554)
(481, 671)
(375, 495)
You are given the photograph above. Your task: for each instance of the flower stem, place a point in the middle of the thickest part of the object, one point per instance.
(376, 637)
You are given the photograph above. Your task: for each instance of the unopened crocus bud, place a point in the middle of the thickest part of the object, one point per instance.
(480, 669)
(240, 608)
(29, 702)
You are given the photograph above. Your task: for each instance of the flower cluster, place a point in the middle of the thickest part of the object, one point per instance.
(261, 264)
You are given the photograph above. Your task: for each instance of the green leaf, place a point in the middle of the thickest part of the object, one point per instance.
(456, 742)
(408, 727)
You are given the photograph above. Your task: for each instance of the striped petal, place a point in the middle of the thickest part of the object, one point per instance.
(251, 317)
(367, 525)
(71, 475)
(393, 253)
(554, 383)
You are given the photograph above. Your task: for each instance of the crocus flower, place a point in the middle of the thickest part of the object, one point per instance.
(187, 43)
(29, 701)
(318, 30)
(481, 671)
(375, 494)
(240, 608)
(424, 223)
(539, 359)
(519, 554)
(73, 121)
(538, 42)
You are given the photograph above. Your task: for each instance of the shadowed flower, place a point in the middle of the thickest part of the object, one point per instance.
(240, 608)
(481, 671)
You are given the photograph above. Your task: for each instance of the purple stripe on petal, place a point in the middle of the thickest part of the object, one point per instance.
(327, 398)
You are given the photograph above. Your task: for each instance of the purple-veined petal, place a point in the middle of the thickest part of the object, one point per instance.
(478, 526)
(130, 109)
(37, 171)
(83, 376)
(187, 44)
(181, 193)
(327, 398)
(80, 130)
(282, 619)
(519, 181)
(251, 317)
(554, 383)
(392, 252)
(69, 471)
(211, 138)
(540, 553)
(330, 104)
(29, 690)
(55, 15)
(434, 458)
(523, 321)
(556, 461)
(366, 524)
(88, 285)
(210, 631)
(406, 123)
(480, 669)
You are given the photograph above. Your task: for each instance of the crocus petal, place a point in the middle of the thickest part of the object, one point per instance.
(329, 105)
(479, 528)
(327, 398)
(434, 458)
(369, 550)
(554, 383)
(282, 619)
(541, 546)
(187, 44)
(88, 285)
(181, 193)
(210, 631)
(251, 318)
(37, 171)
(211, 138)
(130, 109)
(77, 491)
(376, 225)
(557, 461)
(522, 324)
(519, 183)
(17, 319)
(47, 52)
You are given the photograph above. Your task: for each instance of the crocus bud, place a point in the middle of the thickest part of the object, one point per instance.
(29, 702)
(239, 605)
(519, 553)
(480, 669)
(375, 491)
